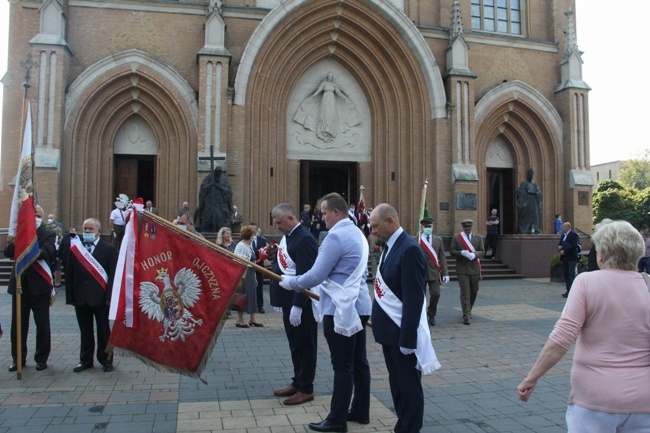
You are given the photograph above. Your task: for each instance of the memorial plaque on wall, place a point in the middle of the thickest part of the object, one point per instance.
(583, 198)
(444, 205)
(465, 201)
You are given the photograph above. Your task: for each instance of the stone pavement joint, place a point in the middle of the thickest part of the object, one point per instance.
(474, 391)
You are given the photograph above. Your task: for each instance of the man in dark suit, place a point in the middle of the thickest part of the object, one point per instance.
(296, 255)
(88, 283)
(236, 220)
(467, 248)
(149, 207)
(437, 271)
(36, 295)
(258, 242)
(568, 249)
(400, 279)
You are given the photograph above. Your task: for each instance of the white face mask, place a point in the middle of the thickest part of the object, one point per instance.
(39, 221)
(50, 221)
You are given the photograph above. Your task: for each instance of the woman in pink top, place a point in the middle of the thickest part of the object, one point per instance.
(607, 316)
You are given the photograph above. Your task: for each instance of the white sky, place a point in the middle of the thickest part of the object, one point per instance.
(611, 38)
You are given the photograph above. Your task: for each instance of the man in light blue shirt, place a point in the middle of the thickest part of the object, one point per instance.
(340, 270)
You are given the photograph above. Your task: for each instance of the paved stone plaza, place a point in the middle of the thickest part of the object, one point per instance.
(474, 391)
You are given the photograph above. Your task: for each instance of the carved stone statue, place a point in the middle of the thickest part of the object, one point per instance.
(328, 111)
(215, 202)
(529, 205)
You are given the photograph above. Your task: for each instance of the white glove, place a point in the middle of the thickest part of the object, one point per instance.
(406, 351)
(465, 253)
(285, 282)
(471, 256)
(277, 310)
(445, 279)
(294, 316)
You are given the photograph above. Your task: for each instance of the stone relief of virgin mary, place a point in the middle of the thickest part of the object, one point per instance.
(328, 111)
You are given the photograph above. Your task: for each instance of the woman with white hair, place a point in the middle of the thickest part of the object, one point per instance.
(607, 316)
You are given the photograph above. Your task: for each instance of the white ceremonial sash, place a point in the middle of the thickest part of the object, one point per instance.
(89, 263)
(344, 297)
(428, 248)
(392, 306)
(469, 247)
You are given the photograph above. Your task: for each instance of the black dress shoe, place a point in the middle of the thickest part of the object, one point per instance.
(565, 294)
(107, 367)
(81, 367)
(40, 366)
(13, 367)
(357, 418)
(327, 425)
(261, 310)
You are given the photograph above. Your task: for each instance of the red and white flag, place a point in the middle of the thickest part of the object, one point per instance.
(22, 217)
(181, 289)
(361, 208)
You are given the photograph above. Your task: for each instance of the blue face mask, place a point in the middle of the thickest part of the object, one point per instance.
(184, 227)
(428, 231)
(89, 237)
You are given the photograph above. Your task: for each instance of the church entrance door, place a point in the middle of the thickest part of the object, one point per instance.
(135, 176)
(318, 178)
(500, 192)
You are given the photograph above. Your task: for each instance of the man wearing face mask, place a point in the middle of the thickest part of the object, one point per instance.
(185, 221)
(436, 266)
(36, 293)
(88, 283)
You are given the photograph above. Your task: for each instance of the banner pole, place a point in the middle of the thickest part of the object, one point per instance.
(423, 200)
(221, 250)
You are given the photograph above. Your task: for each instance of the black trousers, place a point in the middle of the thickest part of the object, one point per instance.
(569, 270)
(303, 344)
(351, 372)
(85, 316)
(406, 389)
(491, 241)
(39, 305)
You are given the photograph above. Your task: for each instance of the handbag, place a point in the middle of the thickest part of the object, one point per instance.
(239, 302)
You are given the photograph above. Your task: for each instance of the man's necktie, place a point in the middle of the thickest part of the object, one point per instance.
(89, 247)
(428, 238)
(384, 253)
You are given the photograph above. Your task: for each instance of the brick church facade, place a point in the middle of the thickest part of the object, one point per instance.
(298, 98)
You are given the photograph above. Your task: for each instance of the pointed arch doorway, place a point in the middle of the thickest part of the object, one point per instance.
(318, 178)
(500, 186)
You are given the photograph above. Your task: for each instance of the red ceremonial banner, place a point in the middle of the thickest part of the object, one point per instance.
(182, 289)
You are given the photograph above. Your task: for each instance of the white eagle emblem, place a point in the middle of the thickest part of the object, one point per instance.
(172, 306)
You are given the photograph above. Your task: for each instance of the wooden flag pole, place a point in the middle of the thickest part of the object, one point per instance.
(221, 250)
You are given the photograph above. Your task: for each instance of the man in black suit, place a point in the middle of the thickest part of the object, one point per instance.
(568, 248)
(296, 255)
(88, 283)
(258, 242)
(36, 295)
(400, 298)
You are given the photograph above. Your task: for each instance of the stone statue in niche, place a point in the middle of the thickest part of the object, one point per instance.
(529, 205)
(328, 111)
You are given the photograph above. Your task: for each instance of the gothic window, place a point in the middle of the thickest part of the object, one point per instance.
(499, 16)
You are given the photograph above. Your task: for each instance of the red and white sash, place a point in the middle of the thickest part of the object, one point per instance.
(44, 271)
(392, 306)
(469, 247)
(89, 263)
(428, 249)
(288, 267)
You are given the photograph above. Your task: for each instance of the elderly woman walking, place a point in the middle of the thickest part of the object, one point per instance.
(607, 316)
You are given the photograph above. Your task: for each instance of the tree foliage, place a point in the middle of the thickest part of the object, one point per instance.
(636, 172)
(617, 204)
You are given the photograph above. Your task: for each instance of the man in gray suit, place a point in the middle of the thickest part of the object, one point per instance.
(468, 249)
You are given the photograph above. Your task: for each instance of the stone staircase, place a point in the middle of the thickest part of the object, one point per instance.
(492, 270)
